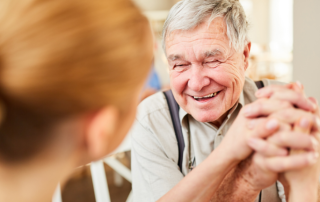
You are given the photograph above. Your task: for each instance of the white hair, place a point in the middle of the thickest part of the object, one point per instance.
(187, 14)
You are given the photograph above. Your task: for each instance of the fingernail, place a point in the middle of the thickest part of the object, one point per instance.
(313, 105)
(299, 84)
(272, 124)
(304, 123)
(317, 121)
(313, 157)
(315, 143)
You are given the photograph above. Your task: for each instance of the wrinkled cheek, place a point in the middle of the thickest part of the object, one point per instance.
(238, 86)
(233, 82)
(178, 83)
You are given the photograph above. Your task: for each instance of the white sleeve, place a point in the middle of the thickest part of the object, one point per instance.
(154, 170)
(281, 192)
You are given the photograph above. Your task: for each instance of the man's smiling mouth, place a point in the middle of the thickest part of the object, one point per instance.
(206, 97)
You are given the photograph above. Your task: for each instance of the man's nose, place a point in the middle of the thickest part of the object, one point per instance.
(198, 80)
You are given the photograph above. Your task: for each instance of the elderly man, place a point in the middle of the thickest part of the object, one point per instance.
(208, 50)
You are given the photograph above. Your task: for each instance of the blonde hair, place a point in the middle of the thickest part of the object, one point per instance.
(61, 58)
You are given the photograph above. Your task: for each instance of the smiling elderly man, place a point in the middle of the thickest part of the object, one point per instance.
(208, 51)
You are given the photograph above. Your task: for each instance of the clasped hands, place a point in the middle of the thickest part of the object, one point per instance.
(279, 141)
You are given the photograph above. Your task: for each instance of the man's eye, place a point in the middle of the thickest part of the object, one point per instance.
(213, 63)
(180, 67)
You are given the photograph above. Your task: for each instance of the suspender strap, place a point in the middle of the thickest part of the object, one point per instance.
(259, 84)
(174, 113)
(260, 196)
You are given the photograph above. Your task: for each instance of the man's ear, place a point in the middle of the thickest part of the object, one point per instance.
(246, 54)
(101, 128)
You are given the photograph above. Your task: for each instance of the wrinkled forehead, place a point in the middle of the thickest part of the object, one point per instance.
(213, 32)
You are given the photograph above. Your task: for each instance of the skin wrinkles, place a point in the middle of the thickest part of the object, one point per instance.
(202, 62)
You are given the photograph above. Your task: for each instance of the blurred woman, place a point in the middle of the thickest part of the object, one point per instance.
(71, 73)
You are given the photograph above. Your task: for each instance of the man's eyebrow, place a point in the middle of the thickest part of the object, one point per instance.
(212, 53)
(174, 57)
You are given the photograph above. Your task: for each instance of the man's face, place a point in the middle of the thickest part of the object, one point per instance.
(207, 75)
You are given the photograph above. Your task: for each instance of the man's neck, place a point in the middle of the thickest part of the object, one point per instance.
(217, 123)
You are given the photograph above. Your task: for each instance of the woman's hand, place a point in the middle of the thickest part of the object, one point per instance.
(303, 182)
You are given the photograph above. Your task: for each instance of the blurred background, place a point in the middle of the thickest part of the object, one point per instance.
(285, 40)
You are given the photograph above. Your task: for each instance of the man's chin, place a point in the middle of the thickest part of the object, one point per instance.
(206, 117)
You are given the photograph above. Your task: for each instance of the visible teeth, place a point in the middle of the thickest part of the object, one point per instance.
(207, 96)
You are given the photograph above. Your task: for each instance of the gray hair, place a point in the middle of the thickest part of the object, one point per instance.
(187, 14)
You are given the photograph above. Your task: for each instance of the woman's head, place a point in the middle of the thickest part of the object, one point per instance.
(63, 59)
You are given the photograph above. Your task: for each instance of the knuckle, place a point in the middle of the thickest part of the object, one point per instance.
(259, 107)
(311, 117)
(242, 111)
(262, 100)
(286, 113)
(316, 121)
(285, 127)
(305, 162)
(270, 167)
(296, 96)
(245, 108)
(264, 149)
(281, 138)
(285, 104)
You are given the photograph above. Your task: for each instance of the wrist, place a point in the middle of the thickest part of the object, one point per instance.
(228, 154)
(249, 184)
(246, 175)
(234, 188)
(303, 185)
(303, 192)
(245, 187)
